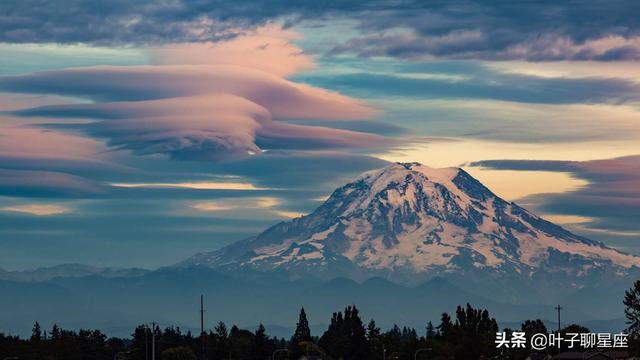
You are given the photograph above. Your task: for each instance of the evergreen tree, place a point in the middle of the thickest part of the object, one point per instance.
(632, 309)
(393, 340)
(36, 339)
(55, 332)
(302, 333)
(300, 336)
(476, 330)
(221, 330)
(36, 333)
(373, 332)
(470, 336)
(141, 342)
(446, 325)
(240, 341)
(431, 332)
(357, 336)
(261, 347)
(374, 337)
(330, 339)
(346, 336)
(220, 342)
(531, 327)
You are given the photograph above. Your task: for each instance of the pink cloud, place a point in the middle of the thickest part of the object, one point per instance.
(267, 48)
(210, 102)
(9, 102)
(206, 127)
(283, 98)
(198, 112)
(29, 142)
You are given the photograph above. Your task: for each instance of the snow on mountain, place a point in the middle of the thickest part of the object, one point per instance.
(408, 219)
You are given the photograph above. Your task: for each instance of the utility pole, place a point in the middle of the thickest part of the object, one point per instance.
(558, 308)
(153, 341)
(146, 342)
(202, 325)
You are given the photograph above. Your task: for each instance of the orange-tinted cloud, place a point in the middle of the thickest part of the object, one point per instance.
(266, 48)
(611, 199)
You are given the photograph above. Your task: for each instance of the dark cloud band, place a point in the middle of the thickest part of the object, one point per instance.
(611, 197)
(540, 30)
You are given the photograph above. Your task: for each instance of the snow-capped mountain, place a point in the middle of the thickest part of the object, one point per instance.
(409, 221)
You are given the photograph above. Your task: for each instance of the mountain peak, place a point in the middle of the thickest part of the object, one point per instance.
(408, 220)
(409, 165)
(434, 174)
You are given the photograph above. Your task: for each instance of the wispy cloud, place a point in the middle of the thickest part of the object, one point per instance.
(38, 209)
(270, 205)
(192, 185)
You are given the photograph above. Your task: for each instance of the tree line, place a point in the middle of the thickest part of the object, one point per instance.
(469, 334)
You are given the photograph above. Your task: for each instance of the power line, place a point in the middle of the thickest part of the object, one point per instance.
(558, 308)
(202, 326)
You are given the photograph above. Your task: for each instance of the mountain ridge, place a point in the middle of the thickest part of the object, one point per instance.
(66, 270)
(409, 222)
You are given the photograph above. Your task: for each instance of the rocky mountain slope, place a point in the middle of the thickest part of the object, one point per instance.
(409, 222)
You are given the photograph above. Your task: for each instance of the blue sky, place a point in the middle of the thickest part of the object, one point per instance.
(140, 134)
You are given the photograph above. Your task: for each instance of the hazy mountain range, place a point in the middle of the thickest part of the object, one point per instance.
(404, 243)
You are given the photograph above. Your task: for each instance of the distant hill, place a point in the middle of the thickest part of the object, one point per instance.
(67, 270)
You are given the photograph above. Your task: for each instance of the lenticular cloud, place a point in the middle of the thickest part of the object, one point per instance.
(201, 112)
(206, 112)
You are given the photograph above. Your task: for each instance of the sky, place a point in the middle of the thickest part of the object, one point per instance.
(136, 134)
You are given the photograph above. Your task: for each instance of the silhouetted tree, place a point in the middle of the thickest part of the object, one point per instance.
(141, 342)
(431, 332)
(472, 334)
(55, 332)
(240, 341)
(373, 332)
(301, 334)
(36, 333)
(219, 342)
(632, 309)
(261, 347)
(444, 329)
(531, 327)
(346, 336)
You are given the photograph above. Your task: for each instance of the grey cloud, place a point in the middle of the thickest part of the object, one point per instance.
(303, 170)
(489, 30)
(148, 21)
(612, 196)
(620, 53)
(540, 30)
(485, 83)
(27, 183)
